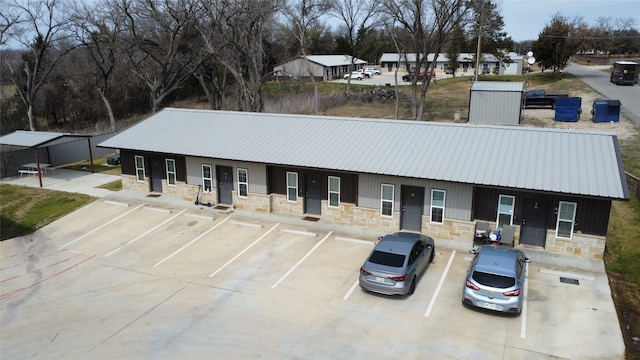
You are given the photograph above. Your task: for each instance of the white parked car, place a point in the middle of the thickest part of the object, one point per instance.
(357, 75)
(372, 71)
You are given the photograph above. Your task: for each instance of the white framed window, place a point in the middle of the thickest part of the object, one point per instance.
(437, 206)
(243, 182)
(171, 171)
(386, 199)
(292, 186)
(334, 191)
(506, 204)
(207, 177)
(139, 167)
(566, 219)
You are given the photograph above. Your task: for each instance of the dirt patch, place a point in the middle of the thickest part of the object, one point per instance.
(625, 129)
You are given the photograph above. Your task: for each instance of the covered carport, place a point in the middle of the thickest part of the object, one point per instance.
(35, 146)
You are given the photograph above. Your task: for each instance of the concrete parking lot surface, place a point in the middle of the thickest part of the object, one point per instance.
(130, 278)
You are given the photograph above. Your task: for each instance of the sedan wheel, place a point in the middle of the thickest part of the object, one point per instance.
(412, 287)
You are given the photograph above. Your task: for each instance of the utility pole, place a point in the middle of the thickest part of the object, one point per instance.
(480, 24)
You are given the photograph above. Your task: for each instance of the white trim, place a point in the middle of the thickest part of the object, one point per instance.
(329, 191)
(573, 218)
(513, 206)
(383, 201)
(292, 187)
(245, 183)
(204, 179)
(144, 174)
(431, 207)
(166, 161)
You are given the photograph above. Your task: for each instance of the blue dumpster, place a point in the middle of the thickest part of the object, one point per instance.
(568, 109)
(606, 111)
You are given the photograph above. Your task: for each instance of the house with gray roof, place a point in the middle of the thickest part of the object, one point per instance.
(322, 67)
(555, 186)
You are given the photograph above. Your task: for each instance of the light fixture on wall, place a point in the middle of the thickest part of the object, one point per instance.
(535, 206)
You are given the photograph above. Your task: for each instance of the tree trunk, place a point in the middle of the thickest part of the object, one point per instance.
(107, 104)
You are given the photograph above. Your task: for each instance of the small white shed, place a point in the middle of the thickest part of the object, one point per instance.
(496, 102)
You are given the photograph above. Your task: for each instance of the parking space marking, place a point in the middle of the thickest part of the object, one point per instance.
(523, 313)
(192, 241)
(301, 260)
(355, 241)
(435, 293)
(353, 288)
(101, 226)
(145, 233)
(244, 250)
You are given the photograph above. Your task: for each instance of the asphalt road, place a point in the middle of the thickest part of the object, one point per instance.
(598, 79)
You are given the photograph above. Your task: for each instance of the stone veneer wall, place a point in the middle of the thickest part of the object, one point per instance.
(582, 245)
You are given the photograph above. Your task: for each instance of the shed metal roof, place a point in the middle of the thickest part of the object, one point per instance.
(539, 159)
(502, 86)
(34, 139)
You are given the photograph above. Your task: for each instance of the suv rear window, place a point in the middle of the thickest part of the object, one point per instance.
(493, 280)
(387, 259)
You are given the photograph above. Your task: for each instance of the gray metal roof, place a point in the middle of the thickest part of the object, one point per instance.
(32, 139)
(503, 86)
(552, 160)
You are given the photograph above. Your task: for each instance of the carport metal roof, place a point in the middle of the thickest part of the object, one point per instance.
(42, 139)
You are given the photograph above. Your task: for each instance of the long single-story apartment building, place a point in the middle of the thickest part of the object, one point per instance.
(321, 67)
(555, 186)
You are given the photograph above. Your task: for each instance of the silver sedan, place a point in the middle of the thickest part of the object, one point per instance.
(396, 263)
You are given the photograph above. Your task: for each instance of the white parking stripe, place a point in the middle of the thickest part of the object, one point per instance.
(435, 294)
(192, 241)
(244, 250)
(101, 226)
(353, 287)
(145, 233)
(523, 313)
(301, 260)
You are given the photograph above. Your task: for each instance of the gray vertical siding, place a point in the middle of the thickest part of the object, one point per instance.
(495, 108)
(457, 203)
(257, 173)
(56, 154)
(78, 150)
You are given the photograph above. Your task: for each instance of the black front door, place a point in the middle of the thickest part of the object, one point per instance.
(534, 222)
(313, 194)
(157, 172)
(224, 175)
(412, 208)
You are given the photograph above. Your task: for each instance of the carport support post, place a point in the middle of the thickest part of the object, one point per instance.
(35, 151)
(90, 155)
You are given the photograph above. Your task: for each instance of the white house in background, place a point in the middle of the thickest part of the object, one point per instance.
(322, 67)
(488, 62)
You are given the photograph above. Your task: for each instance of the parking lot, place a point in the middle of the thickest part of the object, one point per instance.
(132, 279)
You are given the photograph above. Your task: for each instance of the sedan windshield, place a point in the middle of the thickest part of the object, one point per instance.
(387, 259)
(493, 280)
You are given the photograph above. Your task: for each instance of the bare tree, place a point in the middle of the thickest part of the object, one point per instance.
(9, 18)
(43, 30)
(157, 43)
(356, 16)
(301, 16)
(429, 25)
(98, 30)
(234, 34)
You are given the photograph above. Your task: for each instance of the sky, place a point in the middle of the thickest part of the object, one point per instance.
(525, 19)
